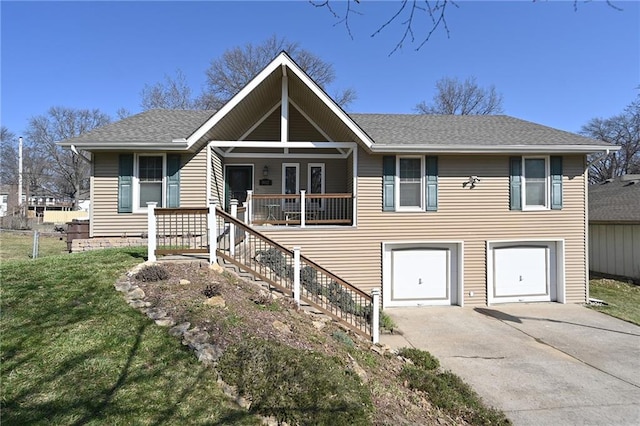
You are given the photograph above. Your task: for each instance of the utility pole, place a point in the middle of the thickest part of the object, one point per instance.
(20, 174)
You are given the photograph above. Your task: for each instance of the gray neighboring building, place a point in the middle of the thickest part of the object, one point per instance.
(614, 227)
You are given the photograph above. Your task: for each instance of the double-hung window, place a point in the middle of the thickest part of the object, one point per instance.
(410, 183)
(536, 183)
(144, 178)
(151, 171)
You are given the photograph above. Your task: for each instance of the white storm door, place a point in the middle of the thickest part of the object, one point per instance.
(521, 271)
(421, 275)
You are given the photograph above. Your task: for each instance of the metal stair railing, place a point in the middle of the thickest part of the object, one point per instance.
(295, 275)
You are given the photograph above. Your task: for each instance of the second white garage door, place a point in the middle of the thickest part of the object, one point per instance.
(522, 272)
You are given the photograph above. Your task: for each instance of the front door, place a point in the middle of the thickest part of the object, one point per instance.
(239, 180)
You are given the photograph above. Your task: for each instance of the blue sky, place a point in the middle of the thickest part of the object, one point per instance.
(553, 65)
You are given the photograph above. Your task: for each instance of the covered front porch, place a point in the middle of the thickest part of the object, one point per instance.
(301, 184)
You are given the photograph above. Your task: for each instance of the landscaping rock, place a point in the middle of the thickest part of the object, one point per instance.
(136, 293)
(156, 313)
(165, 322)
(195, 338)
(208, 353)
(319, 324)
(281, 327)
(216, 268)
(216, 301)
(179, 329)
(138, 303)
(123, 286)
(358, 370)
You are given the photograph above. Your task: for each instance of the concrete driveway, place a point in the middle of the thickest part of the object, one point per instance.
(541, 363)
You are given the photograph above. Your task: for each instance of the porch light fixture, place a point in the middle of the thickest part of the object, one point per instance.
(265, 171)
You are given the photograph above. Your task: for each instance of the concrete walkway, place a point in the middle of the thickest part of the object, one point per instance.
(541, 363)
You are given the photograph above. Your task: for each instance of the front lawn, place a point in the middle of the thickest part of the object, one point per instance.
(623, 299)
(19, 245)
(73, 352)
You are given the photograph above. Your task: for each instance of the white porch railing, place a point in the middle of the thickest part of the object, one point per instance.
(299, 209)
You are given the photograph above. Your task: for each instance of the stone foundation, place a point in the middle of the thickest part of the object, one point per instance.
(89, 244)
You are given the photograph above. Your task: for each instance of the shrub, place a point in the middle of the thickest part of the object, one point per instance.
(420, 358)
(343, 337)
(386, 323)
(448, 392)
(296, 386)
(152, 273)
(212, 290)
(276, 261)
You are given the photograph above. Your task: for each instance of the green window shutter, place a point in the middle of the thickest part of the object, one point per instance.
(556, 183)
(173, 180)
(125, 182)
(515, 183)
(432, 183)
(388, 183)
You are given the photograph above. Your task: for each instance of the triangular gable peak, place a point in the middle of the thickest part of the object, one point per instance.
(278, 108)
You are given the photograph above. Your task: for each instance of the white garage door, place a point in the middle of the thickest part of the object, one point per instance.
(523, 273)
(421, 276)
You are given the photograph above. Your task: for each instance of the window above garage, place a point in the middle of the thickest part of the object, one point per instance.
(535, 183)
(410, 183)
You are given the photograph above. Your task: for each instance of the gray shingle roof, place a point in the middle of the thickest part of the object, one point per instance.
(150, 126)
(493, 130)
(159, 126)
(615, 200)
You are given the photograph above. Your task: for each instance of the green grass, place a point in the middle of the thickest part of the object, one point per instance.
(73, 352)
(623, 299)
(15, 246)
(447, 391)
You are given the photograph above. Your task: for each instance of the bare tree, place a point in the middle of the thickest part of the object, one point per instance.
(172, 93)
(228, 74)
(122, 113)
(623, 130)
(9, 157)
(36, 170)
(419, 19)
(68, 171)
(462, 98)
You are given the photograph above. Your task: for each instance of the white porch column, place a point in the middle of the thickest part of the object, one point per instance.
(151, 231)
(296, 275)
(232, 227)
(303, 212)
(375, 317)
(213, 231)
(249, 202)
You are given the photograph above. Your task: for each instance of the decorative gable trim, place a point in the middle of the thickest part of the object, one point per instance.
(282, 60)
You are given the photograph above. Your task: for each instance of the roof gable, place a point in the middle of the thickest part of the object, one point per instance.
(257, 97)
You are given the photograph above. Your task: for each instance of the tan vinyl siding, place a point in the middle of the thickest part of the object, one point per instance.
(105, 219)
(193, 179)
(473, 216)
(217, 176)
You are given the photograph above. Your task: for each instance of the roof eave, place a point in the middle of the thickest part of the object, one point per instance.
(176, 145)
(493, 149)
